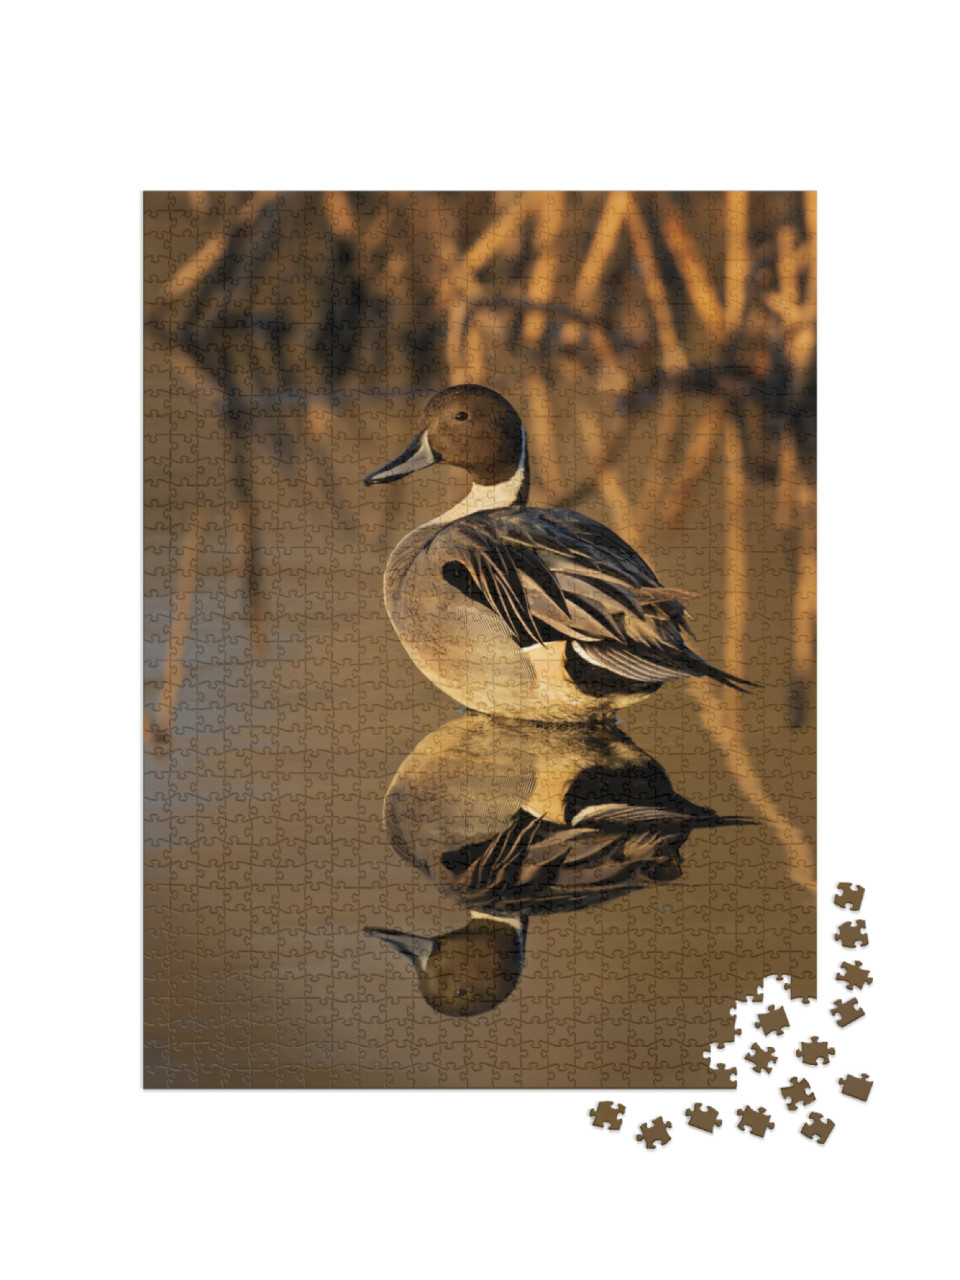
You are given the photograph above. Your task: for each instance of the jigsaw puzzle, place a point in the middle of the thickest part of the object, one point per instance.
(440, 789)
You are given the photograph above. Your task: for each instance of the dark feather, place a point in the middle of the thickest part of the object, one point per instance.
(550, 573)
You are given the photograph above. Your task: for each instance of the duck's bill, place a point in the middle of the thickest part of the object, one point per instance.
(415, 948)
(415, 457)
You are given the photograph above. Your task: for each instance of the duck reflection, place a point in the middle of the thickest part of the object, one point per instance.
(513, 819)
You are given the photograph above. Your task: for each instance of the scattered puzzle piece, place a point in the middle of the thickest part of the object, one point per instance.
(773, 1022)
(850, 895)
(847, 1011)
(762, 1059)
(798, 1093)
(706, 1118)
(817, 1127)
(852, 933)
(856, 1086)
(814, 1050)
(854, 975)
(654, 1132)
(608, 1115)
(757, 1121)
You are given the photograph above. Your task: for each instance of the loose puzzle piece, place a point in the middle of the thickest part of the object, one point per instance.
(852, 934)
(817, 1127)
(762, 1059)
(854, 975)
(706, 1118)
(847, 1011)
(856, 1086)
(797, 1093)
(757, 1121)
(850, 895)
(814, 1050)
(608, 1115)
(654, 1132)
(773, 1022)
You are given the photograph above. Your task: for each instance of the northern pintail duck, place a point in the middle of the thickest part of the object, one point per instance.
(531, 613)
(513, 820)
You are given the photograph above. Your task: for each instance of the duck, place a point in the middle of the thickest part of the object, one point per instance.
(512, 820)
(530, 613)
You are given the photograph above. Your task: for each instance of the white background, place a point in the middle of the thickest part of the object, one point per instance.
(103, 100)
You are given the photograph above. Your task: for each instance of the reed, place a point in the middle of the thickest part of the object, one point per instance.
(736, 566)
(181, 617)
(718, 720)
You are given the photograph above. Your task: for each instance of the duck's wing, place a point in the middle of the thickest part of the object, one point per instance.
(543, 570)
(560, 575)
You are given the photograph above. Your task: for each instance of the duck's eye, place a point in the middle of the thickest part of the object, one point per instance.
(461, 416)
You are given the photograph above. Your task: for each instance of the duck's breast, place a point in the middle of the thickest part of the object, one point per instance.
(459, 643)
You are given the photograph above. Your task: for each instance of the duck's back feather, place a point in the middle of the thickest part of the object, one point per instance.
(554, 574)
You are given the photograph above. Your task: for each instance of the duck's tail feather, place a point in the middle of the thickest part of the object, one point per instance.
(613, 656)
(684, 814)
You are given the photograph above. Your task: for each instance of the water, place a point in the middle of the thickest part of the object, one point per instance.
(266, 853)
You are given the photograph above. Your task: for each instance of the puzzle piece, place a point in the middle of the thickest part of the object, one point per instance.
(817, 1127)
(706, 1118)
(813, 1051)
(850, 895)
(847, 1011)
(757, 1121)
(608, 1115)
(852, 934)
(654, 1132)
(856, 1086)
(762, 1059)
(773, 1022)
(854, 975)
(797, 1093)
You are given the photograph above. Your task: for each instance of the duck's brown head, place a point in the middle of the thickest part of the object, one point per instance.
(467, 426)
(468, 971)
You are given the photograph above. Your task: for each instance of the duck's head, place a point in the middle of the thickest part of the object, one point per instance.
(467, 426)
(468, 971)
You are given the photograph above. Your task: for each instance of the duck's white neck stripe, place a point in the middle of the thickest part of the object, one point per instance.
(515, 921)
(485, 497)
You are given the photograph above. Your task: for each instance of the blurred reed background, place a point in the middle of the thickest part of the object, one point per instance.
(661, 349)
